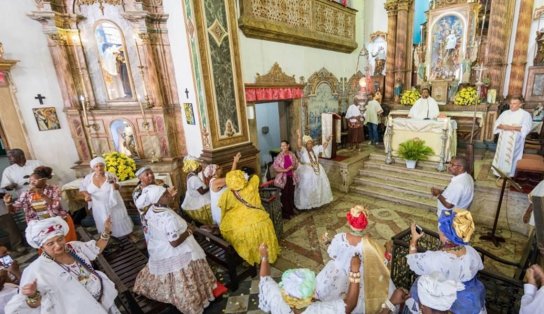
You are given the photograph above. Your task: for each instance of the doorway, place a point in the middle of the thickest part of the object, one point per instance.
(273, 122)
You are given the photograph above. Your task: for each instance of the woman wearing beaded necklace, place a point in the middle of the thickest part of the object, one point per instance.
(62, 279)
(313, 189)
(456, 260)
(333, 280)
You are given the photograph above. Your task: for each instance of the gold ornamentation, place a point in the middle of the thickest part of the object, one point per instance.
(100, 3)
(322, 76)
(275, 76)
(218, 32)
(377, 34)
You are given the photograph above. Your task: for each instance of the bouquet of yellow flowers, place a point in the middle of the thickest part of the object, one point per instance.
(409, 97)
(466, 97)
(120, 165)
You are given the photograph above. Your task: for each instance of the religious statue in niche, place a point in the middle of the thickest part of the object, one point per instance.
(419, 62)
(378, 49)
(113, 61)
(124, 141)
(397, 90)
(539, 55)
(446, 43)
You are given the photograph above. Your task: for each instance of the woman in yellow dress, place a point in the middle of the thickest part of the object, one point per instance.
(245, 223)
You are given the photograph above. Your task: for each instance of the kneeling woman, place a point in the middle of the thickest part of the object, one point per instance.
(246, 224)
(177, 271)
(62, 279)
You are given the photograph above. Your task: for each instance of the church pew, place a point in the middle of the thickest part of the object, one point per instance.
(122, 264)
(503, 294)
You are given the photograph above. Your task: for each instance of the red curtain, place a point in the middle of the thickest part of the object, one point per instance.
(254, 94)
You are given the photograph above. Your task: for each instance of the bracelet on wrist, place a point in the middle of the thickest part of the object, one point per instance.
(354, 280)
(34, 299)
(264, 258)
(388, 305)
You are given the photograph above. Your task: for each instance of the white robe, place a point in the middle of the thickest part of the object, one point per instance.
(60, 290)
(193, 199)
(532, 300)
(107, 201)
(510, 144)
(424, 108)
(271, 301)
(313, 189)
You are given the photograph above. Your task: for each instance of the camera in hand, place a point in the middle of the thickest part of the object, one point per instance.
(419, 230)
(6, 260)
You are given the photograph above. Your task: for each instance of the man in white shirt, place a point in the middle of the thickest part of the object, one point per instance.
(512, 126)
(425, 108)
(15, 180)
(460, 192)
(533, 298)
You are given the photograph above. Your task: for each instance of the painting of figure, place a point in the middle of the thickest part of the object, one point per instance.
(46, 118)
(447, 39)
(377, 49)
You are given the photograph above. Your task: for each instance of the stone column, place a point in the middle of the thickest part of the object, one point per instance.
(391, 8)
(500, 26)
(402, 35)
(519, 59)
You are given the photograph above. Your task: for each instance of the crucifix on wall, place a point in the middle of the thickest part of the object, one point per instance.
(40, 98)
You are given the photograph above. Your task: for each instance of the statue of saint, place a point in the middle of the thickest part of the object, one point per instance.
(466, 68)
(379, 61)
(539, 56)
(452, 91)
(398, 90)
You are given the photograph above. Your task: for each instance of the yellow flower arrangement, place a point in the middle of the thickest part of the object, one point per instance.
(120, 165)
(409, 97)
(466, 97)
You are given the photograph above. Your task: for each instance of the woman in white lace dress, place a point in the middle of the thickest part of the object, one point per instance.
(295, 294)
(313, 189)
(177, 271)
(196, 203)
(333, 279)
(456, 259)
(218, 186)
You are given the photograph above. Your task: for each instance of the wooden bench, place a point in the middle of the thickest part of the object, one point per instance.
(122, 265)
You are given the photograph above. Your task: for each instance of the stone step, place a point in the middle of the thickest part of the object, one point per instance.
(401, 170)
(402, 181)
(417, 202)
(392, 186)
(431, 165)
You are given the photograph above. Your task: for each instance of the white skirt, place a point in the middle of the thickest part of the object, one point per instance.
(313, 190)
(121, 223)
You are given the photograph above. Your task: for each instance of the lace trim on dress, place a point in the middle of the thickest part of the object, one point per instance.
(170, 265)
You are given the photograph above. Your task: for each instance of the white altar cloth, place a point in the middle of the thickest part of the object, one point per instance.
(428, 130)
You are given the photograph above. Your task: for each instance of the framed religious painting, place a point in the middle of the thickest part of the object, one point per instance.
(450, 31)
(46, 118)
(377, 50)
(535, 84)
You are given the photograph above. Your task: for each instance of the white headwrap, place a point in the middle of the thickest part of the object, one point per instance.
(39, 231)
(210, 170)
(437, 292)
(298, 287)
(353, 111)
(141, 171)
(306, 139)
(150, 195)
(96, 161)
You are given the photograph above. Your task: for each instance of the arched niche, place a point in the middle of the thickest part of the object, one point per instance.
(124, 138)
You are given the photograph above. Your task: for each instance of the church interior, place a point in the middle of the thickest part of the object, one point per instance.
(189, 89)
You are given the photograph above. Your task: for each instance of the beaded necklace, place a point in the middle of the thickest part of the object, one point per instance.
(356, 233)
(314, 163)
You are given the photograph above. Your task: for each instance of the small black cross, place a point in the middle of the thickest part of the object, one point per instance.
(187, 93)
(40, 98)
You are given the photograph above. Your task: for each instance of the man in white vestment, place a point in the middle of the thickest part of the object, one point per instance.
(512, 126)
(459, 192)
(425, 108)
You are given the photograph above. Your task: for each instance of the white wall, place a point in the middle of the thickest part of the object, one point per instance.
(258, 56)
(183, 72)
(375, 17)
(268, 116)
(24, 40)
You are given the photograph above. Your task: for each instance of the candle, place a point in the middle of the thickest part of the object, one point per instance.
(85, 117)
(138, 52)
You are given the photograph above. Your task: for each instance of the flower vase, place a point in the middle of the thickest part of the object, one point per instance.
(411, 164)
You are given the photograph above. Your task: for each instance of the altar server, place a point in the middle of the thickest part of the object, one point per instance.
(425, 108)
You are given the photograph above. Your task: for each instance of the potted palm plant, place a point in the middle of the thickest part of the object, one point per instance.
(413, 150)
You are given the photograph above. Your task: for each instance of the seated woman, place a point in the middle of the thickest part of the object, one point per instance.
(245, 223)
(313, 189)
(196, 203)
(62, 279)
(456, 259)
(101, 188)
(177, 271)
(218, 186)
(533, 298)
(286, 178)
(333, 280)
(295, 293)
(42, 201)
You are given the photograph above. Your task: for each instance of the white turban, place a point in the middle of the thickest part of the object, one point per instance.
(306, 139)
(150, 195)
(210, 170)
(141, 171)
(39, 231)
(96, 161)
(437, 292)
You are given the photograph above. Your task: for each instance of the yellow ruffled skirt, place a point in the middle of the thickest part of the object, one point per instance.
(245, 229)
(202, 215)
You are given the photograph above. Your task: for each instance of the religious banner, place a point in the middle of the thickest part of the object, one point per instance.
(46, 118)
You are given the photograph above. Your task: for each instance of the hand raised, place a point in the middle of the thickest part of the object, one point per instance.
(30, 288)
(263, 250)
(415, 235)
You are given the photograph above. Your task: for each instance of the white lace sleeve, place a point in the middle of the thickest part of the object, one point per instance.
(335, 246)
(270, 300)
(174, 226)
(329, 307)
(87, 250)
(423, 263)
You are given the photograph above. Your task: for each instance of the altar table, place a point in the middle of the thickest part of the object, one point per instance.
(400, 130)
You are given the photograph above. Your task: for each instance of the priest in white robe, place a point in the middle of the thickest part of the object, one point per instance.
(425, 108)
(512, 126)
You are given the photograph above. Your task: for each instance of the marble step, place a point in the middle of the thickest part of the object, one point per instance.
(392, 186)
(421, 164)
(417, 202)
(402, 181)
(400, 170)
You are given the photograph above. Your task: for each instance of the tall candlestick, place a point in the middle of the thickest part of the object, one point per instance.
(85, 117)
(138, 52)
